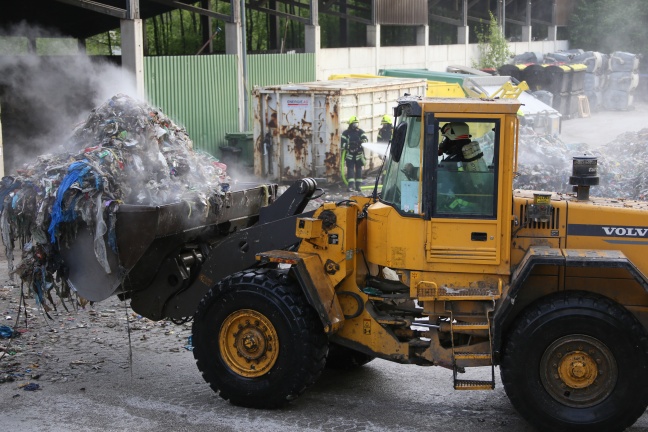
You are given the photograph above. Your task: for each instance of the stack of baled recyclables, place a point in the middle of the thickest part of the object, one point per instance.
(297, 127)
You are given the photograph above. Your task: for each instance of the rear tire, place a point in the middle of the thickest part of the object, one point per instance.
(577, 361)
(343, 358)
(257, 342)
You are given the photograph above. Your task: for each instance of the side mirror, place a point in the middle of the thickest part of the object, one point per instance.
(398, 141)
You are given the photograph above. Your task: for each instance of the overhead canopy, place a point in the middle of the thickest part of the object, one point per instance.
(68, 19)
(84, 18)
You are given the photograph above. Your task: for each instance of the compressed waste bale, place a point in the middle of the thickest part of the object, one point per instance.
(624, 62)
(591, 59)
(527, 57)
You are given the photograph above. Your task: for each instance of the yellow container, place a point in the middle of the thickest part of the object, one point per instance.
(444, 89)
(434, 88)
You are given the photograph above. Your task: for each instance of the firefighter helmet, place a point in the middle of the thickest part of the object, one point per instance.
(353, 119)
(386, 119)
(456, 131)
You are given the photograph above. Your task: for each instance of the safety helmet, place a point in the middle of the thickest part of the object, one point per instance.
(455, 131)
(353, 119)
(386, 119)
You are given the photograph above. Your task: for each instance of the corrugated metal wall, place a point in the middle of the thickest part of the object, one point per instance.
(200, 92)
(271, 69)
(402, 12)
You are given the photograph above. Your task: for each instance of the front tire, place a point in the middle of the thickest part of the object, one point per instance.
(257, 342)
(577, 361)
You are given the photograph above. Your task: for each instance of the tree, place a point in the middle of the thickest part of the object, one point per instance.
(606, 26)
(493, 47)
(107, 43)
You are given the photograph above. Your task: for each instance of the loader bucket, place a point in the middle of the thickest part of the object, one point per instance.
(145, 235)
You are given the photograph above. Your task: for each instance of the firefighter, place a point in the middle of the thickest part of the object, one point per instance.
(470, 175)
(386, 130)
(354, 157)
(457, 135)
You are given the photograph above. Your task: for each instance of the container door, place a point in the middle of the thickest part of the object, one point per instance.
(296, 133)
(320, 142)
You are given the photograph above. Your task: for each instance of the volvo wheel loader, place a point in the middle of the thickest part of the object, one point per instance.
(444, 265)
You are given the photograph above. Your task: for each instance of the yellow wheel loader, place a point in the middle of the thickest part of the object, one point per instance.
(447, 266)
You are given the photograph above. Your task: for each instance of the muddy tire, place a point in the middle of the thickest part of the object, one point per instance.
(577, 361)
(257, 342)
(343, 358)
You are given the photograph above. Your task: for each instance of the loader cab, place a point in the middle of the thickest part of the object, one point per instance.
(453, 207)
(455, 185)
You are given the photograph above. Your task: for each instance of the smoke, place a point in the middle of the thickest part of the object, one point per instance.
(43, 97)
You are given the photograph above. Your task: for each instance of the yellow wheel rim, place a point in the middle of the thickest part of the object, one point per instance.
(248, 343)
(578, 371)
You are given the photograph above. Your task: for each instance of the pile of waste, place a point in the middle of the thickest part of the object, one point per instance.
(544, 163)
(623, 167)
(126, 152)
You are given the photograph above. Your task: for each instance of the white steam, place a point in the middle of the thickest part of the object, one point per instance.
(44, 96)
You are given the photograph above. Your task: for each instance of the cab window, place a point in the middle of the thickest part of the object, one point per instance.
(400, 182)
(465, 183)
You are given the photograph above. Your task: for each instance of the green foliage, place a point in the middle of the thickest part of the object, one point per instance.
(493, 47)
(108, 43)
(608, 25)
(174, 33)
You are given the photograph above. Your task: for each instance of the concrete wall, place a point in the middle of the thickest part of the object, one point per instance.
(434, 57)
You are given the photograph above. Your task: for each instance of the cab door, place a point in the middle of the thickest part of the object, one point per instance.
(463, 196)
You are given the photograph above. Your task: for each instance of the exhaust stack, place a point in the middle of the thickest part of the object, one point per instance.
(584, 175)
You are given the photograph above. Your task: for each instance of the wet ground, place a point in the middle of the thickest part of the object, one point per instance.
(104, 368)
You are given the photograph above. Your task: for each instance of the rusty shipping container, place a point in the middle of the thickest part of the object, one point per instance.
(297, 127)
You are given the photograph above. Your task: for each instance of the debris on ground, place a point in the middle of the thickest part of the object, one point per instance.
(125, 152)
(7, 332)
(37, 357)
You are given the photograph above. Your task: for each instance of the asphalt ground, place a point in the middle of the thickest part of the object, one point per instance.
(104, 368)
(602, 127)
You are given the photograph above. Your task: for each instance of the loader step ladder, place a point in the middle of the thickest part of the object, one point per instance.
(460, 357)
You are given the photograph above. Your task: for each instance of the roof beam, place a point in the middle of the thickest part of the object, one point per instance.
(282, 14)
(452, 21)
(195, 9)
(98, 7)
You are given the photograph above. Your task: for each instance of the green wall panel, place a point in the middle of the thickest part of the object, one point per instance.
(201, 92)
(198, 92)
